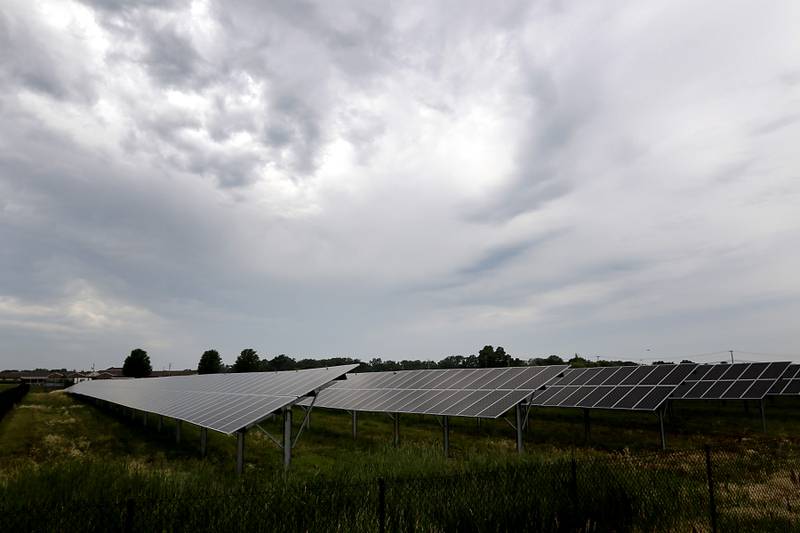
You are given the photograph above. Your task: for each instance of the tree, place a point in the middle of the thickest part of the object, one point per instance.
(210, 363)
(490, 357)
(247, 361)
(137, 364)
(280, 362)
(486, 356)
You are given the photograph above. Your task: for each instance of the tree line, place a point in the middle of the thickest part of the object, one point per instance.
(138, 362)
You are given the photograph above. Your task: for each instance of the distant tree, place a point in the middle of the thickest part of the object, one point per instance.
(247, 361)
(687, 361)
(452, 361)
(278, 363)
(210, 363)
(137, 364)
(579, 362)
(490, 357)
(501, 358)
(486, 356)
(416, 364)
(333, 361)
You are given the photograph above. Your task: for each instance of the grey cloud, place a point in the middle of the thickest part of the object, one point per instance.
(175, 235)
(497, 257)
(27, 59)
(776, 124)
(171, 57)
(116, 6)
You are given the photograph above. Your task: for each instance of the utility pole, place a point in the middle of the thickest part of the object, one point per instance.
(731, 356)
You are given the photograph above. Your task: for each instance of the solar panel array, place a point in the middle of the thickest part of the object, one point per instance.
(635, 388)
(479, 392)
(740, 381)
(789, 382)
(222, 402)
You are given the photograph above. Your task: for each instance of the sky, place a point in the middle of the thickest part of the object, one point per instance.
(404, 180)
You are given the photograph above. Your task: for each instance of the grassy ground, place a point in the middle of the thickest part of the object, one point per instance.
(4, 386)
(51, 440)
(48, 426)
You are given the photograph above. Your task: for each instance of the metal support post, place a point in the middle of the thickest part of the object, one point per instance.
(178, 431)
(355, 425)
(144, 419)
(203, 441)
(661, 427)
(446, 435)
(587, 426)
(160, 423)
(396, 418)
(763, 415)
(240, 452)
(518, 417)
(287, 437)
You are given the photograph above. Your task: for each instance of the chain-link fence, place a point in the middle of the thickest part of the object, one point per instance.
(702, 490)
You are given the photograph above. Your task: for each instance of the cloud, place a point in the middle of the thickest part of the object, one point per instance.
(415, 180)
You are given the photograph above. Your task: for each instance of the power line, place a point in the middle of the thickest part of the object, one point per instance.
(664, 357)
(769, 354)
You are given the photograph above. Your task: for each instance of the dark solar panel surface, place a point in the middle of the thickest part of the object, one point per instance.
(474, 392)
(788, 382)
(636, 388)
(739, 381)
(222, 402)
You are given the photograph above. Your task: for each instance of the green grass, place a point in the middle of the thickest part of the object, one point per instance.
(60, 455)
(4, 386)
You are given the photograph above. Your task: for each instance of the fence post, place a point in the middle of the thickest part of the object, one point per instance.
(712, 504)
(382, 505)
(573, 478)
(573, 491)
(129, 511)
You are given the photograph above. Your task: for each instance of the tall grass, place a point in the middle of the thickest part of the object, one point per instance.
(536, 495)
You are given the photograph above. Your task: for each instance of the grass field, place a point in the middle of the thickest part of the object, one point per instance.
(4, 386)
(53, 444)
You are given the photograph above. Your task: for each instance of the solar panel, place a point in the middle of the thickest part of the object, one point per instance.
(222, 402)
(478, 392)
(788, 382)
(739, 381)
(635, 388)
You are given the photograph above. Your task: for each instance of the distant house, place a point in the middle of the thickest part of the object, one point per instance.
(77, 377)
(113, 371)
(165, 373)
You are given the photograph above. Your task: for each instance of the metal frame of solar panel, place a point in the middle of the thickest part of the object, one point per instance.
(227, 403)
(630, 388)
(788, 384)
(738, 381)
(474, 393)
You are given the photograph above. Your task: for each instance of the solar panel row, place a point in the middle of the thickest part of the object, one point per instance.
(222, 402)
(480, 392)
(740, 381)
(789, 382)
(636, 388)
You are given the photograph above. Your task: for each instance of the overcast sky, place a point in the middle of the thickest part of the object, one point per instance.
(398, 179)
